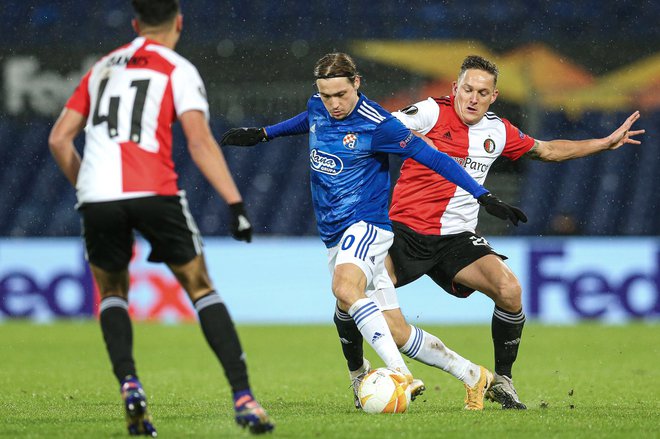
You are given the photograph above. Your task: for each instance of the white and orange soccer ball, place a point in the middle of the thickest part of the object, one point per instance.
(384, 391)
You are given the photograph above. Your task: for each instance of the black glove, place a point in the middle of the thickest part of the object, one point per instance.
(500, 209)
(241, 229)
(244, 136)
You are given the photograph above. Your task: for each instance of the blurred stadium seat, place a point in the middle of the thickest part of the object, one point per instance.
(612, 193)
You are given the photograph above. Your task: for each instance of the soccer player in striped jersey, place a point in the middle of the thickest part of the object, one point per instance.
(126, 181)
(434, 221)
(349, 139)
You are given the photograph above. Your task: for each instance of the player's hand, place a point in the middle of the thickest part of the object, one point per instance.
(623, 134)
(244, 136)
(241, 228)
(500, 209)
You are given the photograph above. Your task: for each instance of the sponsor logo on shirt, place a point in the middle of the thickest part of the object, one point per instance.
(325, 163)
(350, 141)
(489, 145)
(407, 140)
(470, 163)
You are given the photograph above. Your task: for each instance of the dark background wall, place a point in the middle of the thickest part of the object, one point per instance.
(256, 58)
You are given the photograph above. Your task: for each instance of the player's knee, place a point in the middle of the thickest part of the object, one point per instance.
(509, 295)
(348, 285)
(345, 293)
(111, 283)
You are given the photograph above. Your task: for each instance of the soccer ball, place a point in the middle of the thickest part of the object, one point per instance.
(384, 391)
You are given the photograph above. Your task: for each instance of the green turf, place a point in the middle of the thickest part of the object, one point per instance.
(578, 381)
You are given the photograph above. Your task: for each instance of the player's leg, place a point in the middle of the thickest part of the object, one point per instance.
(428, 349)
(491, 275)
(168, 225)
(108, 241)
(351, 338)
(221, 335)
(355, 262)
(351, 346)
(411, 256)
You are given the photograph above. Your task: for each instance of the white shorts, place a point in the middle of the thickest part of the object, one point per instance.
(364, 245)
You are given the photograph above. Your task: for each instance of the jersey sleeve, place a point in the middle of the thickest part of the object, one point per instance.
(79, 100)
(421, 116)
(517, 142)
(392, 137)
(298, 124)
(188, 90)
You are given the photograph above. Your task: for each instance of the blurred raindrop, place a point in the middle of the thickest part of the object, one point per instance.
(300, 48)
(225, 48)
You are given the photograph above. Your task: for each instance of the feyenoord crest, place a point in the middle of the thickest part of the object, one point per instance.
(489, 145)
(350, 140)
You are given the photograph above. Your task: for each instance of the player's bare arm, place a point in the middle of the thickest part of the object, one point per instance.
(560, 150)
(60, 142)
(207, 155)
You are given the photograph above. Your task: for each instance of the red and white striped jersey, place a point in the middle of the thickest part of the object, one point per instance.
(131, 97)
(425, 201)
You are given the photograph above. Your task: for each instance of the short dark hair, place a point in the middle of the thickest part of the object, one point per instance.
(479, 63)
(155, 12)
(335, 65)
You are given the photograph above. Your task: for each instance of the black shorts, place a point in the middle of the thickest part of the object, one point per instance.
(438, 257)
(164, 221)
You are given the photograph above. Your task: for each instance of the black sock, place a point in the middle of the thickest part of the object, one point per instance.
(118, 335)
(507, 331)
(351, 339)
(221, 335)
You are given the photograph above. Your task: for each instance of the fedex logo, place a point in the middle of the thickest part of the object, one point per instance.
(49, 287)
(596, 292)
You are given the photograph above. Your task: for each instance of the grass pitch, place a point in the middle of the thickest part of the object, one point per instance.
(578, 381)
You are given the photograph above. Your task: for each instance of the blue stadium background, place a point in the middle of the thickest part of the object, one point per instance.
(256, 58)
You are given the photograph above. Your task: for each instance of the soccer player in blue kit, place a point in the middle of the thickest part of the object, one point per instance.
(350, 138)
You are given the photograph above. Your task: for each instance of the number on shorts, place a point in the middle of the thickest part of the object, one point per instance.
(348, 242)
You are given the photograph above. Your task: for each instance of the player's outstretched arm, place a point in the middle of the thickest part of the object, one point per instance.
(250, 136)
(560, 150)
(208, 157)
(60, 142)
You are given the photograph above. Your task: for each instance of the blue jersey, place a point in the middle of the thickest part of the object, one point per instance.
(349, 164)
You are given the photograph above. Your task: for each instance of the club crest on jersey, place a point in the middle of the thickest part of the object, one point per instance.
(325, 163)
(489, 145)
(350, 141)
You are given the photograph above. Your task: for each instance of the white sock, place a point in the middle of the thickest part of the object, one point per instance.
(429, 349)
(373, 327)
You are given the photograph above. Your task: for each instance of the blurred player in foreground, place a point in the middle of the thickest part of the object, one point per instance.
(349, 139)
(126, 181)
(434, 221)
